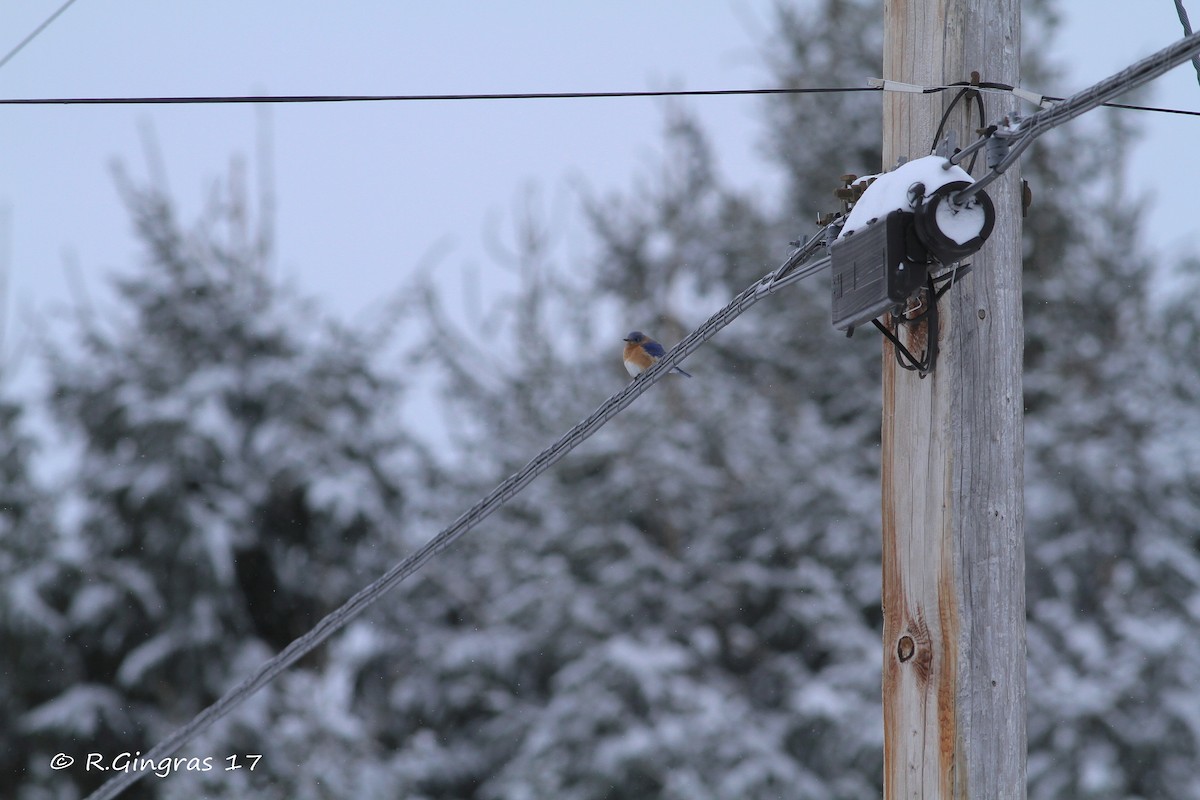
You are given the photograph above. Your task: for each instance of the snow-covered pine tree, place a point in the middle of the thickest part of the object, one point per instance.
(1111, 490)
(688, 605)
(240, 473)
(36, 668)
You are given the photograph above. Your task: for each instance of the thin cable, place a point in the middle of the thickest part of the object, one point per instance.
(966, 89)
(1187, 31)
(937, 136)
(786, 273)
(36, 31)
(369, 98)
(1158, 109)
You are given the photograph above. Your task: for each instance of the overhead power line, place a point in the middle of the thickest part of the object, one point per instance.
(21, 45)
(400, 98)
(792, 270)
(419, 98)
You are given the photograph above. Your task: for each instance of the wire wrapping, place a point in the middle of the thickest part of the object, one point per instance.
(789, 272)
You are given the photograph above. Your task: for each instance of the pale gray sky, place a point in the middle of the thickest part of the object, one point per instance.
(366, 190)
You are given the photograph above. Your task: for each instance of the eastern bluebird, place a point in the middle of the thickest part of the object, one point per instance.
(641, 352)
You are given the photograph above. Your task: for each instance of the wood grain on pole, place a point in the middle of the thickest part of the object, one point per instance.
(953, 540)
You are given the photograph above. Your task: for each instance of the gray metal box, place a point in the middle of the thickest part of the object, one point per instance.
(875, 268)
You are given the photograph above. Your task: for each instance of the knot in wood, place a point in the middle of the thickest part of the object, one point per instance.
(905, 648)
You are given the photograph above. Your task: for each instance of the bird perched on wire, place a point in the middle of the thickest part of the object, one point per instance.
(641, 353)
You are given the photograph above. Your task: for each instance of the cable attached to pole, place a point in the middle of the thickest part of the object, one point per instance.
(1015, 136)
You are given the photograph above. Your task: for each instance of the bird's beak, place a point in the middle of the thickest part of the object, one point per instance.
(627, 340)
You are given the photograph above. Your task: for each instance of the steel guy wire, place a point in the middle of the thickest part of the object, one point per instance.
(1187, 31)
(792, 270)
(21, 45)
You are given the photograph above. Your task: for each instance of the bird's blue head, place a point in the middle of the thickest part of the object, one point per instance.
(635, 337)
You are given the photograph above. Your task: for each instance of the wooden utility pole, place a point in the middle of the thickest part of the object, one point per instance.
(953, 539)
